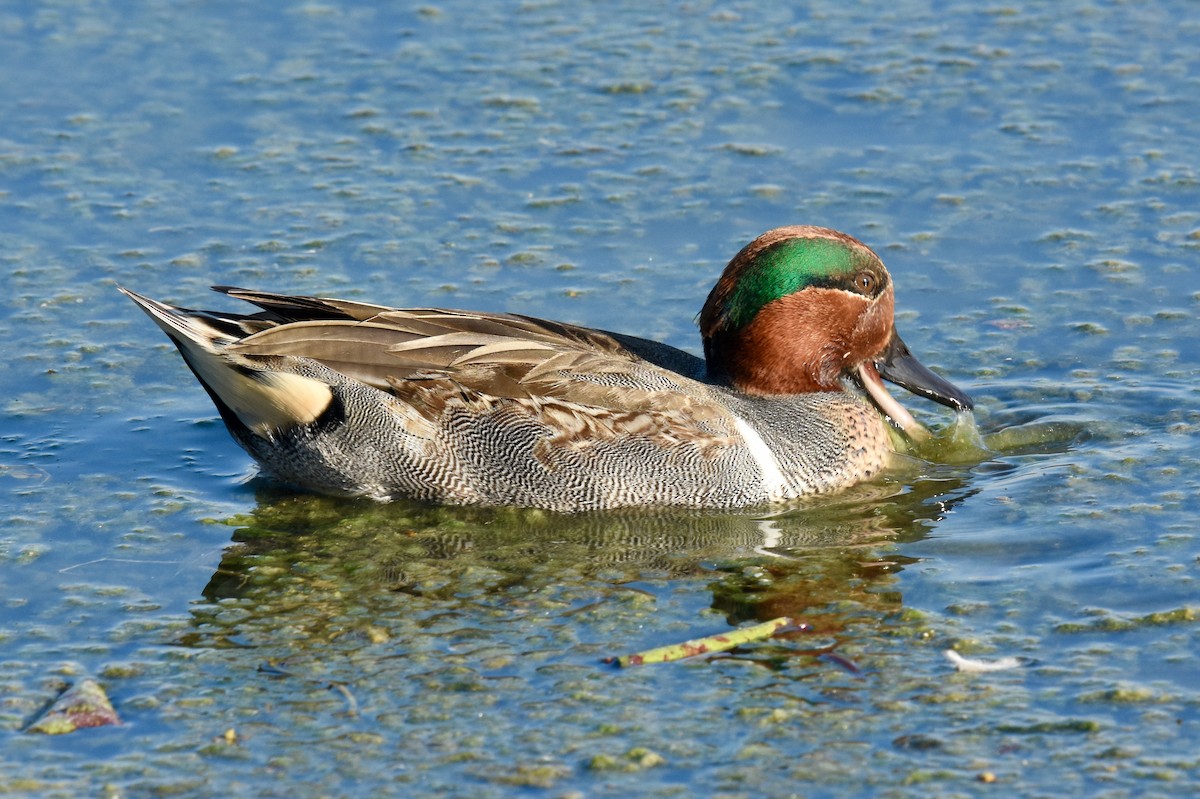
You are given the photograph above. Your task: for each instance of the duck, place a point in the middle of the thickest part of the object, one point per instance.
(347, 398)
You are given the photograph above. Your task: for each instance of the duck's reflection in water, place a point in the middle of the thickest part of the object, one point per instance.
(805, 561)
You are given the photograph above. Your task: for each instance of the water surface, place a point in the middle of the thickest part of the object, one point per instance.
(1028, 173)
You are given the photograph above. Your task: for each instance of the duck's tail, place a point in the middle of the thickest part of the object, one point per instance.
(248, 391)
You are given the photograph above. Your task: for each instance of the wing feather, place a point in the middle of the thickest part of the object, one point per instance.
(576, 379)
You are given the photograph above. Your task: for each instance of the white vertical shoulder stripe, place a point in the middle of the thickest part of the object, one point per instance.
(772, 478)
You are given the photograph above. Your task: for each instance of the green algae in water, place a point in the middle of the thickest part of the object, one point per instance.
(958, 443)
(1127, 695)
(1054, 726)
(540, 775)
(636, 759)
(963, 443)
(1043, 436)
(1111, 623)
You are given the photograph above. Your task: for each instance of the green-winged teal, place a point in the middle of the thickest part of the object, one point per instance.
(347, 398)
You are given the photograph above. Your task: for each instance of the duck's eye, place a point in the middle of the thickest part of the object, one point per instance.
(864, 283)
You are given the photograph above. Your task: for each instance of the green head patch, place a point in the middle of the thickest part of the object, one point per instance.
(796, 264)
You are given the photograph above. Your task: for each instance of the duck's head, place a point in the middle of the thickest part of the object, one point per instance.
(803, 309)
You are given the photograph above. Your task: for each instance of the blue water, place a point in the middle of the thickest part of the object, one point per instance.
(1028, 173)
